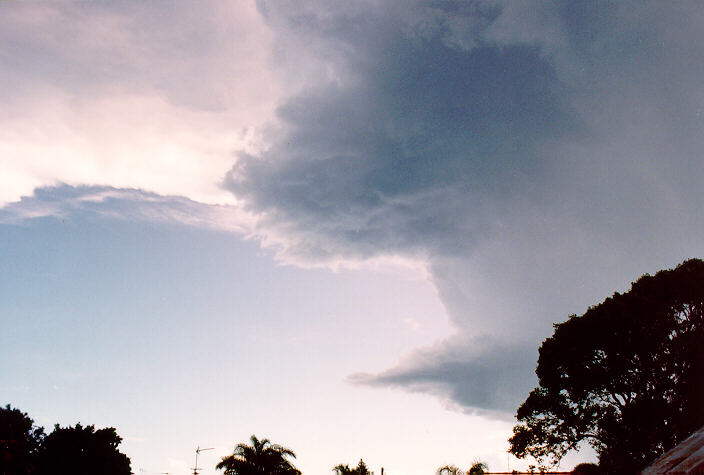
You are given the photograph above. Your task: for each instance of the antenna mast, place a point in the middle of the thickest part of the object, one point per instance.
(198, 451)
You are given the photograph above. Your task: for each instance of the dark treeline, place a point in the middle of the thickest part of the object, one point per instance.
(26, 449)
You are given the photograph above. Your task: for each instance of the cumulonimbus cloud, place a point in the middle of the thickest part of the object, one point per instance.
(538, 157)
(535, 157)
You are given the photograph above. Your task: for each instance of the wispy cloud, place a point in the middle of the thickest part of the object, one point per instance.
(65, 201)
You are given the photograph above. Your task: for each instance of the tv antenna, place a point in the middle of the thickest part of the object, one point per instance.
(198, 451)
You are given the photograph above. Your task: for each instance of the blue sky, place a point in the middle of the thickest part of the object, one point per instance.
(346, 226)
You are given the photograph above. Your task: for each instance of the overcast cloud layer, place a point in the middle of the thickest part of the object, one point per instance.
(535, 157)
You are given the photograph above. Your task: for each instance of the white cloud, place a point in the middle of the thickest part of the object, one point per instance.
(156, 97)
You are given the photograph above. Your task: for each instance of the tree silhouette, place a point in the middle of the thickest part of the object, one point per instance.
(586, 469)
(82, 451)
(343, 470)
(478, 468)
(626, 376)
(260, 458)
(19, 441)
(360, 469)
(449, 470)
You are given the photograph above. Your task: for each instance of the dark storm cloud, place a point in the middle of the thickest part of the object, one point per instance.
(540, 156)
(406, 155)
(479, 377)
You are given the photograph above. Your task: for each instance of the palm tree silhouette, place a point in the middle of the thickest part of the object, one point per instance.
(478, 467)
(260, 458)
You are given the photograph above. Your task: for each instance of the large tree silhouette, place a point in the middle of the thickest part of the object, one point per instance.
(20, 440)
(627, 376)
(82, 451)
(260, 458)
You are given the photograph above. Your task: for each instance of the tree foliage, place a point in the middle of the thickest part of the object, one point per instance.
(82, 451)
(478, 468)
(449, 470)
(360, 469)
(20, 440)
(627, 376)
(586, 469)
(260, 458)
(26, 450)
(342, 469)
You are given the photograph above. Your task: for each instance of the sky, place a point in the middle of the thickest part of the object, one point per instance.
(346, 226)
